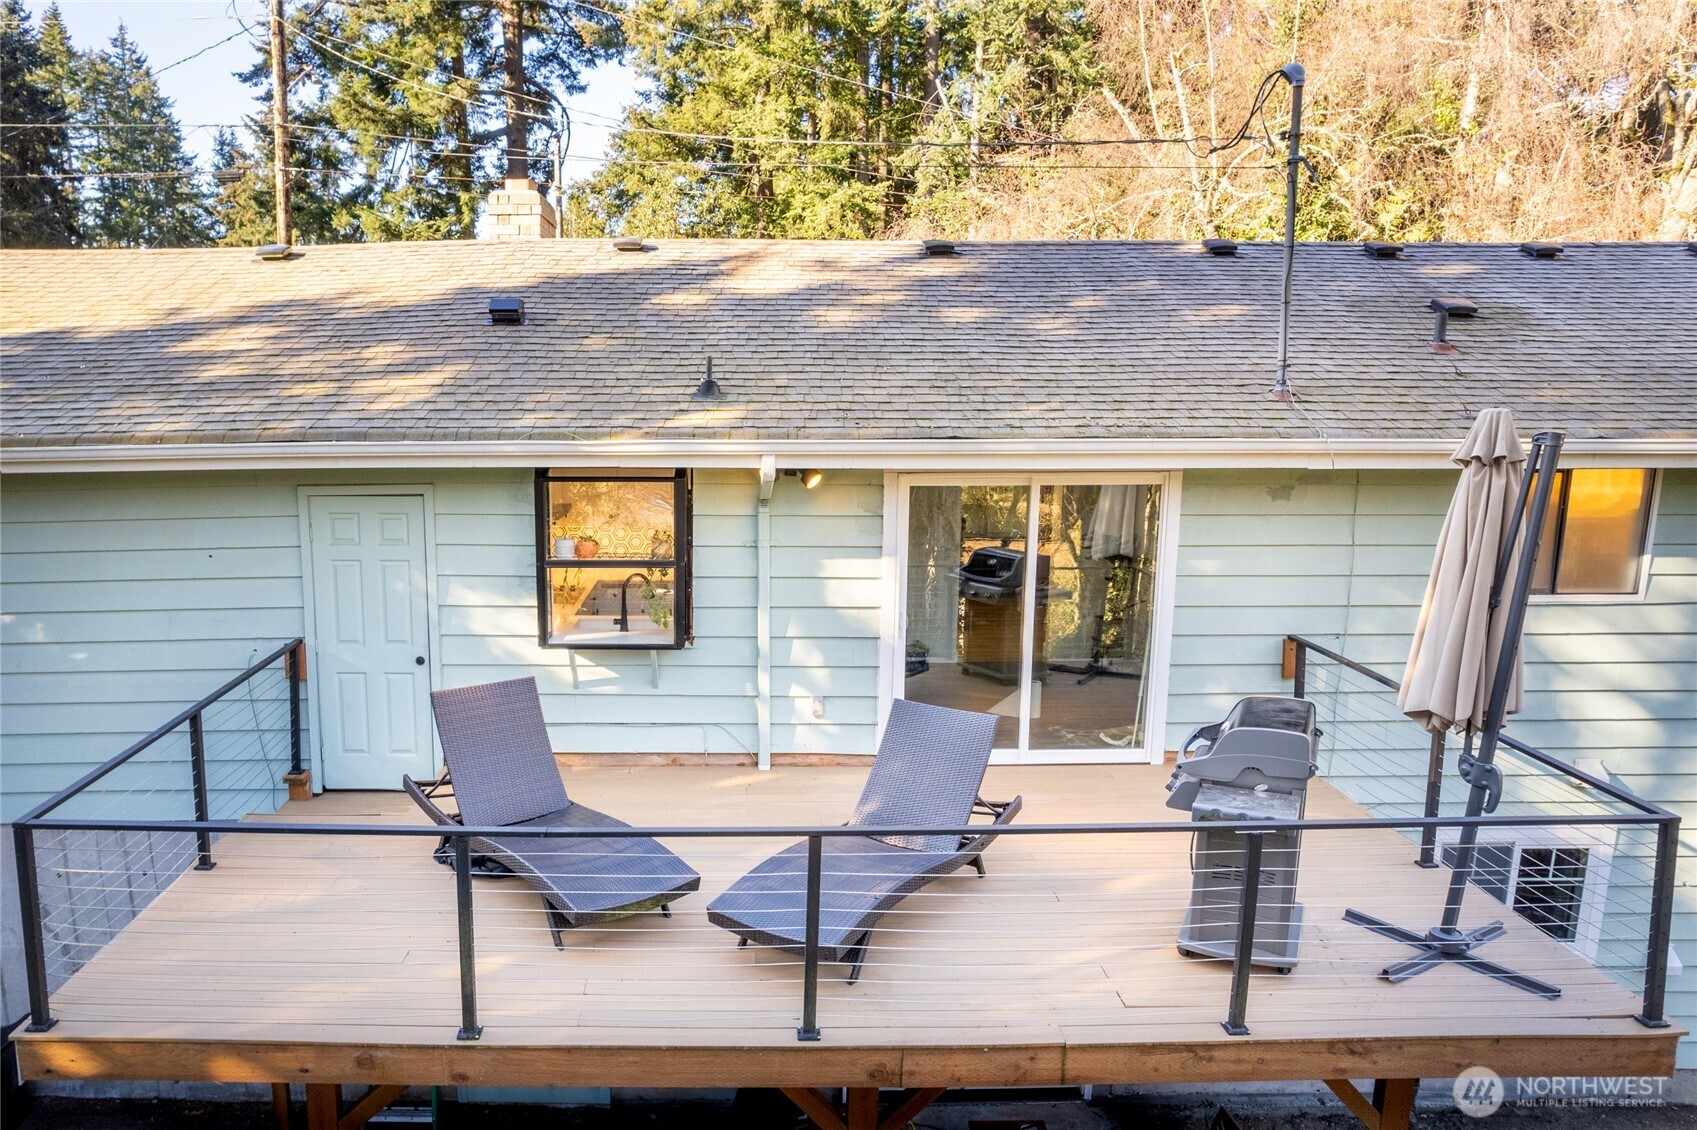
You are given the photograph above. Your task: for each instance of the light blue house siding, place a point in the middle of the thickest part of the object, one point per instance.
(1342, 557)
(825, 601)
(128, 596)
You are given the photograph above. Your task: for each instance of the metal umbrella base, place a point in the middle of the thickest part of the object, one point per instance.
(1439, 945)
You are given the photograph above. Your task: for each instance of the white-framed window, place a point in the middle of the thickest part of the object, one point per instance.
(1555, 878)
(613, 559)
(1596, 539)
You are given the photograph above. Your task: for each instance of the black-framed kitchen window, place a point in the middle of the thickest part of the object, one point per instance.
(1596, 533)
(613, 559)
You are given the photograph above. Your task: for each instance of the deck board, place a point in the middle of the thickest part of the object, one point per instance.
(333, 957)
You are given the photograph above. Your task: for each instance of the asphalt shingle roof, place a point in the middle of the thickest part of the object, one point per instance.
(812, 340)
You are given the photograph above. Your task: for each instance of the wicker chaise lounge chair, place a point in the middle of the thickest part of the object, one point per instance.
(502, 772)
(929, 767)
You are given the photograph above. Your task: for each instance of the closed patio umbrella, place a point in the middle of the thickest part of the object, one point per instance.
(1456, 649)
(1464, 666)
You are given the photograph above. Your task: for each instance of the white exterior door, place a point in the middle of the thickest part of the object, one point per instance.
(371, 637)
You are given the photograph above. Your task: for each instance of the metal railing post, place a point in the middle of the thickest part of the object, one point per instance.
(1434, 795)
(1248, 907)
(1661, 925)
(202, 808)
(292, 664)
(35, 943)
(1299, 680)
(809, 1029)
(470, 1029)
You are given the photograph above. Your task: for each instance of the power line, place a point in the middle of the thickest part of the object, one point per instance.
(202, 51)
(312, 37)
(703, 165)
(735, 139)
(626, 125)
(431, 147)
(738, 46)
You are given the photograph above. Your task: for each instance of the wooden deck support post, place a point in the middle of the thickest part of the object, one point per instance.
(862, 1111)
(324, 1105)
(1390, 1108)
(863, 1108)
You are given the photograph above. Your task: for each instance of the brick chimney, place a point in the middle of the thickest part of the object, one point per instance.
(518, 210)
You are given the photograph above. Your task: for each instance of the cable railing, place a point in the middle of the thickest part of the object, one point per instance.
(1605, 889)
(222, 758)
(354, 923)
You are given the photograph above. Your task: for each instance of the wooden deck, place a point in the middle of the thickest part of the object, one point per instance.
(334, 959)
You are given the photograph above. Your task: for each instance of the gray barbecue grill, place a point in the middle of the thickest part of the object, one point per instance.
(1254, 765)
(993, 615)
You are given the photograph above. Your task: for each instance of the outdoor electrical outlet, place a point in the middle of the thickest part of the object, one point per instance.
(818, 704)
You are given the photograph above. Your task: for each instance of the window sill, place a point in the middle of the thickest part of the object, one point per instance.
(1588, 598)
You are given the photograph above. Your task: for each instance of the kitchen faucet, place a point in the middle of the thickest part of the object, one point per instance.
(623, 618)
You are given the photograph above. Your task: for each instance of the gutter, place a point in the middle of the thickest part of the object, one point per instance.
(1026, 455)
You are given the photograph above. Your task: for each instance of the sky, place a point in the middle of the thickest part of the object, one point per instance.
(206, 92)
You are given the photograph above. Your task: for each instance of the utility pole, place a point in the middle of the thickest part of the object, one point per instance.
(280, 124)
(1293, 74)
(561, 134)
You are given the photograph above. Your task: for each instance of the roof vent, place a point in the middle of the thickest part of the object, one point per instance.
(629, 243)
(506, 311)
(939, 247)
(1447, 307)
(1541, 250)
(1220, 247)
(273, 252)
(709, 388)
(1382, 250)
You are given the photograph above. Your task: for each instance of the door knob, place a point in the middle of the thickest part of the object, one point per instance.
(419, 661)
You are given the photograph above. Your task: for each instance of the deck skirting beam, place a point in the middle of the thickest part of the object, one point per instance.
(1390, 1108)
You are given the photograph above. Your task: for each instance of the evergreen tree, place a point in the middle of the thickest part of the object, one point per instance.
(243, 205)
(242, 208)
(412, 91)
(850, 89)
(37, 200)
(141, 188)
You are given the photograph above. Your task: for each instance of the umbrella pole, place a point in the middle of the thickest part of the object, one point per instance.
(1447, 941)
(1481, 771)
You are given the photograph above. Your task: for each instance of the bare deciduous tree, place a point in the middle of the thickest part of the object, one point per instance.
(1443, 119)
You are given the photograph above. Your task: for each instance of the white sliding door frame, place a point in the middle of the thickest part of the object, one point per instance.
(893, 672)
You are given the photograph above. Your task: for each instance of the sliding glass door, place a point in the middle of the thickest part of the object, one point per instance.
(1035, 599)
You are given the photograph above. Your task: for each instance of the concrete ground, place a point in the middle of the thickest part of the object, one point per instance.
(1165, 1110)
